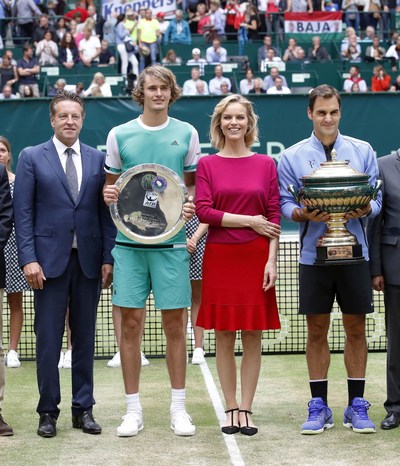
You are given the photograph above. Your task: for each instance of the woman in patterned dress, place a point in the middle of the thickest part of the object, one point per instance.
(15, 280)
(196, 241)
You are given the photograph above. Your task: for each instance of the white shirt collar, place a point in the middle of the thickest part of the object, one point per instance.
(152, 128)
(60, 146)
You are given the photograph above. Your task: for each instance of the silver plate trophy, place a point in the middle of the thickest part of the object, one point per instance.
(149, 208)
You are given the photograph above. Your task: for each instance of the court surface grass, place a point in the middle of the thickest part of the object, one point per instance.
(279, 409)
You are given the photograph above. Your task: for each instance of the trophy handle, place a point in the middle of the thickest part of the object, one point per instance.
(376, 188)
(294, 193)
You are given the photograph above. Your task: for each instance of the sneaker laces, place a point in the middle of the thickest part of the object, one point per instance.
(131, 415)
(314, 410)
(361, 407)
(181, 416)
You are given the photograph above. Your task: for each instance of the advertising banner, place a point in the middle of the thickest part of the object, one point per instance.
(120, 6)
(305, 25)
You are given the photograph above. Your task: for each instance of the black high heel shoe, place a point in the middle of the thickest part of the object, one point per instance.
(232, 429)
(247, 430)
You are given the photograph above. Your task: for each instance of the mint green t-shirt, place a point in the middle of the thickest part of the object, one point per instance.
(174, 144)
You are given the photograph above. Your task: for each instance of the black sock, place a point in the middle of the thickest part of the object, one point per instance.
(319, 389)
(355, 388)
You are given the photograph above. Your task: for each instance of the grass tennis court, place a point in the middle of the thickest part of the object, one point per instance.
(280, 405)
(279, 409)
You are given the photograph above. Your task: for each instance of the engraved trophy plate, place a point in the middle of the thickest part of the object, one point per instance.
(149, 207)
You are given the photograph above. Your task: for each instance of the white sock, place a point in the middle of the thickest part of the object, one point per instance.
(178, 397)
(133, 403)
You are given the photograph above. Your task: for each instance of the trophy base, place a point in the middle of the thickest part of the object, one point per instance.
(339, 255)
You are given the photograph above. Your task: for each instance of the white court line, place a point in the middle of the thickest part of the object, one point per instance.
(230, 441)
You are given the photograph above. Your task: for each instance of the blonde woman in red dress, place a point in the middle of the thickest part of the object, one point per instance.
(237, 195)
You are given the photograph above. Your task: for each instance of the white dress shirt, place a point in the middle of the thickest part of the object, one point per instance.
(274, 90)
(214, 86)
(76, 158)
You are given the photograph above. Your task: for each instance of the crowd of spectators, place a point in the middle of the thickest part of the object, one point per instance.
(82, 37)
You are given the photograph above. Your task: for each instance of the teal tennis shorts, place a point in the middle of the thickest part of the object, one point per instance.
(138, 271)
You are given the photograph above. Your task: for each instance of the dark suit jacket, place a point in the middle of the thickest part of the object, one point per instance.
(6, 219)
(384, 230)
(46, 215)
(62, 55)
(322, 54)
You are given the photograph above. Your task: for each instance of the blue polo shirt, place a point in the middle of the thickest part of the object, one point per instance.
(302, 159)
(27, 65)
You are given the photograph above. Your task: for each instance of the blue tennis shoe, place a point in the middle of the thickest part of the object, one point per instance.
(356, 417)
(319, 418)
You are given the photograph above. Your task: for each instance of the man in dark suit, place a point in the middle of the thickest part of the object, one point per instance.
(6, 213)
(384, 245)
(64, 236)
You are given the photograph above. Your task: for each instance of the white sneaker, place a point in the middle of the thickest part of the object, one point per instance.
(67, 364)
(131, 425)
(115, 361)
(145, 361)
(13, 359)
(198, 356)
(61, 360)
(181, 424)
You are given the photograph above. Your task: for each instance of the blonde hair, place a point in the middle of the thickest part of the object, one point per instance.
(99, 75)
(89, 26)
(217, 138)
(161, 73)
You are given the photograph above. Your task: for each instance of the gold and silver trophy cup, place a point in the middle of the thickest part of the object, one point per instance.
(336, 188)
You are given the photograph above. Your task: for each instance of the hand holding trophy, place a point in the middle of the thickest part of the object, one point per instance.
(150, 203)
(337, 189)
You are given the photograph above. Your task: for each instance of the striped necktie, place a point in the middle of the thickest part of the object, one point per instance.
(72, 176)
